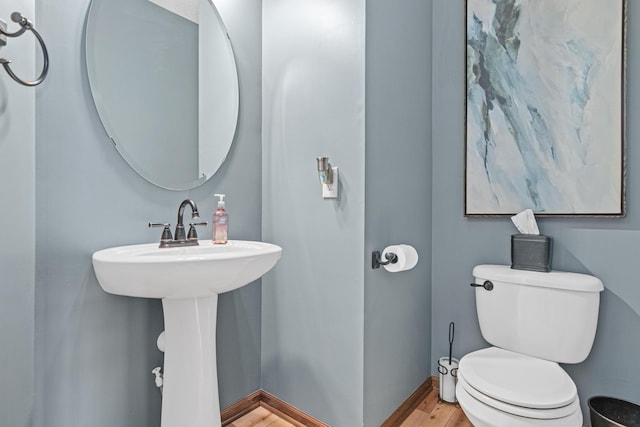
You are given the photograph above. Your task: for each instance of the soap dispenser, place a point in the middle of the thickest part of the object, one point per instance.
(220, 222)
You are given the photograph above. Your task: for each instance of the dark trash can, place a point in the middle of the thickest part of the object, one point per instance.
(612, 412)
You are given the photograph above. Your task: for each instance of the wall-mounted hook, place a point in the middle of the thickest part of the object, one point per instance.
(25, 25)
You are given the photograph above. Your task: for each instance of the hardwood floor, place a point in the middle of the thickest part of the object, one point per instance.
(260, 417)
(429, 413)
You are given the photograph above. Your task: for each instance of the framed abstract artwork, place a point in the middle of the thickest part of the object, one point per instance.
(545, 95)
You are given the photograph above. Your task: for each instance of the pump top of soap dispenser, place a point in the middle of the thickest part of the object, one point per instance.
(221, 201)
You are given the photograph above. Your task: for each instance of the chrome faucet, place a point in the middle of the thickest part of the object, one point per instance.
(191, 239)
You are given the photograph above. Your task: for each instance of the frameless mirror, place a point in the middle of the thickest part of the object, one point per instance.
(164, 81)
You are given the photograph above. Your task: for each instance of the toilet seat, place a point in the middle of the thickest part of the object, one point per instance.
(518, 384)
(519, 411)
(483, 415)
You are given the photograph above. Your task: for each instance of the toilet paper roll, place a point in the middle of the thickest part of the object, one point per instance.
(407, 257)
(448, 379)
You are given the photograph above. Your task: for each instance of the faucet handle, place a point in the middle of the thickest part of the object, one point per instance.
(192, 235)
(166, 232)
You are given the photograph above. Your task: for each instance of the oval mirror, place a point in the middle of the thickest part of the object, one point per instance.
(164, 81)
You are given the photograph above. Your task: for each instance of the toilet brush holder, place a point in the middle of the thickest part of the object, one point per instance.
(448, 370)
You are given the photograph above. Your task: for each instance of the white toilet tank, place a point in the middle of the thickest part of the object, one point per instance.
(551, 315)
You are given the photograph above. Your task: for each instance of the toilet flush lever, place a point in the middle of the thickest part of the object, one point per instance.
(487, 285)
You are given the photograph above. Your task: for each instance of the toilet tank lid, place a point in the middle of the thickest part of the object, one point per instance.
(554, 279)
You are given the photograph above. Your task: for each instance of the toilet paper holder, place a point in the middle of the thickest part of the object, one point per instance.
(376, 260)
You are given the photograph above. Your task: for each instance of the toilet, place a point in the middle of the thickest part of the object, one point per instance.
(534, 321)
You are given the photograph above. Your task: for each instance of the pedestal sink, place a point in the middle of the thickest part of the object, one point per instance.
(188, 280)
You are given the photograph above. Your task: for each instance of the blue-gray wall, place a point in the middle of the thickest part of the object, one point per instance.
(95, 351)
(397, 326)
(17, 216)
(340, 341)
(313, 300)
(606, 248)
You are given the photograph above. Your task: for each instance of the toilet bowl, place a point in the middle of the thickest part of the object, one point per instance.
(500, 388)
(534, 321)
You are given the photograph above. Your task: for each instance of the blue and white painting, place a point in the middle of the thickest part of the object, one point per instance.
(544, 107)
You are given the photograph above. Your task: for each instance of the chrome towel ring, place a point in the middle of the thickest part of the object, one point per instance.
(26, 25)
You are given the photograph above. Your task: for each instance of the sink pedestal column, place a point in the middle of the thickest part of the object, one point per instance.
(190, 392)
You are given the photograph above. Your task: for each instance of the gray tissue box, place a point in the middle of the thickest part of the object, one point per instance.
(531, 252)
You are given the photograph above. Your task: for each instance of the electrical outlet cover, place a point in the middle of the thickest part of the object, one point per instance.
(331, 191)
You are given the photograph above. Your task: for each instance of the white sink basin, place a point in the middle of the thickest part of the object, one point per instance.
(194, 271)
(188, 280)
